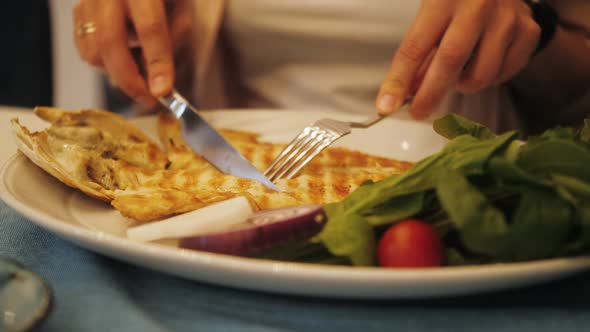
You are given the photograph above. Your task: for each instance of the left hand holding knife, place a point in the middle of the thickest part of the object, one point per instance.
(102, 36)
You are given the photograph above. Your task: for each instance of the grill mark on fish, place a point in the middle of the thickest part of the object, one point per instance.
(298, 189)
(249, 153)
(316, 190)
(328, 182)
(270, 153)
(340, 186)
(134, 138)
(108, 154)
(358, 159)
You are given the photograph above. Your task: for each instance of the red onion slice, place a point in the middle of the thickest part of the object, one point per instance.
(262, 231)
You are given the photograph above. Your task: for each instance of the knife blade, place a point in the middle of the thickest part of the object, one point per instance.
(207, 142)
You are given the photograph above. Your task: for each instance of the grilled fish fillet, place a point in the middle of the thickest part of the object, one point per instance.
(106, 157)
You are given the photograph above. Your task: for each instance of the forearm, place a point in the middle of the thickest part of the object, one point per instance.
(555, 79)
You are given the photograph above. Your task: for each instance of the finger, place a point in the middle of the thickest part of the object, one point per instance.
(521, 50)
(484, 68)
(117, 59)
(149, 18)
(422, 37)
(87, 44)
(456, 48)
(421, 73)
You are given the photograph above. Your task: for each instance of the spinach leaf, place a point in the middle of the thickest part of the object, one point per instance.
(453, 125)
(482, 226)
(453, 256)
(512, 150)
(584, 134)
(540, 224)
(465, 154)
(509, 172)
(575, 186)
(537, 228)
(581, 233)
(555, 156)
(578, 194)
(398, 208)
(559, 133)
(351, 236)
(470, 156)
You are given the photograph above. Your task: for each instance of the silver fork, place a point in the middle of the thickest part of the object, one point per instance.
(309, 143)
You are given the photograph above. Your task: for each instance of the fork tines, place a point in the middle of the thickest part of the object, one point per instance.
(308, 144)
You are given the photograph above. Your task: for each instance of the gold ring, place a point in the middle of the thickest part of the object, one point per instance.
(86, 28)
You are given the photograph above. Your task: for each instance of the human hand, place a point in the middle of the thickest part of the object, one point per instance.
(466, 45)
(106, 44)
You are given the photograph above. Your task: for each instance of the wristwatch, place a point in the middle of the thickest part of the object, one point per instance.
(547, 18)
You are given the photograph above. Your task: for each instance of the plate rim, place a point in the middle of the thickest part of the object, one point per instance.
(79, 232)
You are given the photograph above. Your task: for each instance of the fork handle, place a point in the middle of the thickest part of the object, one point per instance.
(367, 123)
(376, 118)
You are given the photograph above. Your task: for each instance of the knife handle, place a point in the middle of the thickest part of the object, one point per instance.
(175, 103)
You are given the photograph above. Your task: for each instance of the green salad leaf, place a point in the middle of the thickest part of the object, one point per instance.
(493, 197)
(555, 155)
(584, 134)
(482, 226)
(540, 224)
(351, 236)
(453, 125)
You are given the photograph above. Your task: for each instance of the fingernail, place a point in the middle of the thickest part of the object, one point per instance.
(159, 85)
(388, 104)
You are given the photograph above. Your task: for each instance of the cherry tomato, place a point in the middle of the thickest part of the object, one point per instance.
(410, 243)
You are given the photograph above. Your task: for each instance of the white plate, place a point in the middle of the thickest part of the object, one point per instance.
(98, 227)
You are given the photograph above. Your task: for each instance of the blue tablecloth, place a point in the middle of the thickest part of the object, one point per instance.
(95, 293)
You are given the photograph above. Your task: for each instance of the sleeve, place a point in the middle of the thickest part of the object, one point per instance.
(574, 12)
(180, 21)
(578, 110)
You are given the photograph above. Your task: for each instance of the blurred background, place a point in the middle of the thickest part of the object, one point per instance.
(39, 62)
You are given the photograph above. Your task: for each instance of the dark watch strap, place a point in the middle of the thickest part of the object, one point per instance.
(547, 18)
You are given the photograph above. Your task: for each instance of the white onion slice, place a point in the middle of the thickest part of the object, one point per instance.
(264, 230)
(212, 218)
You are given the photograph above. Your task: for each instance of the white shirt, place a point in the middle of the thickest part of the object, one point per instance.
(332, 55)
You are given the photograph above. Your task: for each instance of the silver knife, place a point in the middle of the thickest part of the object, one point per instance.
(207, 142)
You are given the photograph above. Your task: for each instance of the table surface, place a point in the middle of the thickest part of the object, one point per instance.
(96, 293)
